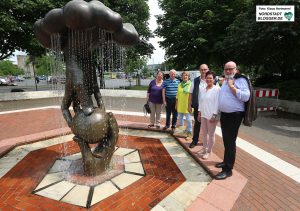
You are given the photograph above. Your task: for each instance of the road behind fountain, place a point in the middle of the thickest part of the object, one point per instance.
(280, 131)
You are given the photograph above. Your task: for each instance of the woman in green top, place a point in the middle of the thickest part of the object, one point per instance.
(182, 102)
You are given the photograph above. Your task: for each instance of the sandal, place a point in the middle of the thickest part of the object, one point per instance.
(150, 126)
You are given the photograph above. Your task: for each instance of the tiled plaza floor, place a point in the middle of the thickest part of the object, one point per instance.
(265, 187)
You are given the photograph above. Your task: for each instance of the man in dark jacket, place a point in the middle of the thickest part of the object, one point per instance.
(197, 84)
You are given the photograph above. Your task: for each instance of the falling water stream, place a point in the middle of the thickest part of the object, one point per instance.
(100, 53)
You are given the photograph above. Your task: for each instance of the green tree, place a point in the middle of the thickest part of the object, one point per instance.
(17, 18)
(135, 64)
(8, 68)
(192, 29)
(137, 13)
(46, 64)
(266, 48)
(16, 24)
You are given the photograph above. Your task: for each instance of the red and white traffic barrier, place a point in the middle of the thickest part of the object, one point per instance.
(267, 93)
(267, 109)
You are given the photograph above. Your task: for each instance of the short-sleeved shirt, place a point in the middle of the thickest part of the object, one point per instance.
(182, 100)
(171, 87)
(155, 92)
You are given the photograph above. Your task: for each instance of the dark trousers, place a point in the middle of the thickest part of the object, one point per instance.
(170, 109)
(197, 126)
(230, 124)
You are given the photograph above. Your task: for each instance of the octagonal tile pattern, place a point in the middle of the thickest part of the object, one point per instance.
(66, 181)
(172, 179)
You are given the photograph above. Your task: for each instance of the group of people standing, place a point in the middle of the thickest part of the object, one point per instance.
(208, 103)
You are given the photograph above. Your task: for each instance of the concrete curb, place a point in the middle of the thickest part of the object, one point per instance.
(11, 96)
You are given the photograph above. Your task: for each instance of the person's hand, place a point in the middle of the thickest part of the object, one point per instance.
(212, 120)
(165, 103)
(190, 109)
(199, 116)
(230, 82)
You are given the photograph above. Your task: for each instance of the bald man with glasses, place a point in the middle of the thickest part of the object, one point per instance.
(232, 97)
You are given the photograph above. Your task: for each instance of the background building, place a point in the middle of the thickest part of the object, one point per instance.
(22, 63)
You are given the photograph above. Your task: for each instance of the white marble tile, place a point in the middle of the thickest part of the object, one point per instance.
(77, 196)
(158, 208)
(123, 151)
(103, 191)
(50, 178)
(194, 188)
(181, 196)
(60, 165)
(170, 204)
(132, 157)
(56, 191)
(49, 142)
(196, 175)
(134, 167)
(73, 157)
(123, 180)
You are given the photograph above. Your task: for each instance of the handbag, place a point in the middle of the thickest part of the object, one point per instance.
(147, 108)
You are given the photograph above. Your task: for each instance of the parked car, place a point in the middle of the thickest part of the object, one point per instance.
(4, 82)
(42, 77)
(55, 79)
(52, 79)
(18, 78)
(62, 80)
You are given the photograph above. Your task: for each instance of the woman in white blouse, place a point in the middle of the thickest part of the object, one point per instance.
(208, 110)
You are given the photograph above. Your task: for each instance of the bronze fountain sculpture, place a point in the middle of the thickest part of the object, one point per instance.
(82, 27)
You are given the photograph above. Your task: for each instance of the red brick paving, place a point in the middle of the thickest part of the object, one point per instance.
(162, 177)
(266, 189)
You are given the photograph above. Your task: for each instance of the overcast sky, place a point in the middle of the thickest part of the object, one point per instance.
(158, 54)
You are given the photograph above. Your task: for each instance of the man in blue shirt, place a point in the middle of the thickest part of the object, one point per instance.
(169, 93)
(233, 95)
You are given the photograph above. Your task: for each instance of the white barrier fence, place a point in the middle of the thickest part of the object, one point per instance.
(267, 93)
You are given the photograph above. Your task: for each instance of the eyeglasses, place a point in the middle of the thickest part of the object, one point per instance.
(230, 68)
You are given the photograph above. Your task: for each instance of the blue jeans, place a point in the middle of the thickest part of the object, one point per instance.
(188, 119)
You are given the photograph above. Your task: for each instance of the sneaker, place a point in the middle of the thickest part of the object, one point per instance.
(189, 135)
(173, 130)
(202, 152)
(150, 126)
(206, 156)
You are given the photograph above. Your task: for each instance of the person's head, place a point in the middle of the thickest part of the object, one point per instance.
(210, 77)
(159, 75)
(185, 76)
(172, 74)
(230, 69)
(203, 68)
